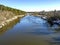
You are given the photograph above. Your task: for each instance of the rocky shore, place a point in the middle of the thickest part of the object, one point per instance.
(9, 20)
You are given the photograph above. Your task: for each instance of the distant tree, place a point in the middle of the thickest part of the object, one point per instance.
(43, 12)
(54, 12)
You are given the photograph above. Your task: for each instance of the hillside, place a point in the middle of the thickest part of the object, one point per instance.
(15, 11)
(8, 12)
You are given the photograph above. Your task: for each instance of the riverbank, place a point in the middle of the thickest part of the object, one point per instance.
(51, 20)
(9, 20)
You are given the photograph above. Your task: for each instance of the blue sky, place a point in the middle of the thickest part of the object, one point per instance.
(32, 5)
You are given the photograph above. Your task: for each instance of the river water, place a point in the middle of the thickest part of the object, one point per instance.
(31, 30)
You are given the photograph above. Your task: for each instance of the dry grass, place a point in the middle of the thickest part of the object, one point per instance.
(5, 15)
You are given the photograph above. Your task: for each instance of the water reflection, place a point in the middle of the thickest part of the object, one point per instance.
(30, 31)
(9, 26)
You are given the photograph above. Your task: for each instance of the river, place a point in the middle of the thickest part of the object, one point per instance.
(30, 30)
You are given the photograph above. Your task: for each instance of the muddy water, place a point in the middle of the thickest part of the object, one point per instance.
(29, 30)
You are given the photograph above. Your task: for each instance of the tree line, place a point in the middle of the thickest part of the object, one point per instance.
(15, 11)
